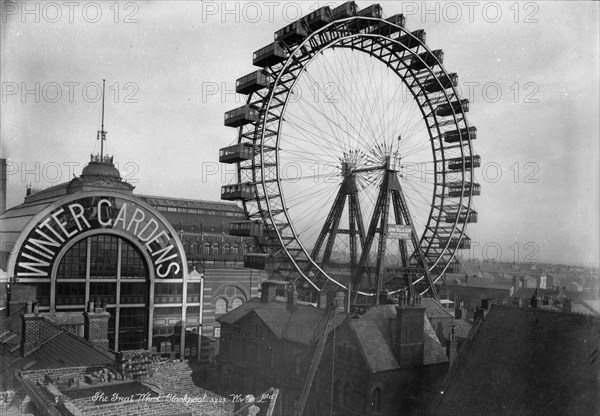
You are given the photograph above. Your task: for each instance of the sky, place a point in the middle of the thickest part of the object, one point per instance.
(530, 70)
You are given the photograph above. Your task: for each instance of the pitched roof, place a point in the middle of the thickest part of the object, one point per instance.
(526, 361)
(61, 349)
(435, 310)
(296, 325)
(374, 333)
(373, 330)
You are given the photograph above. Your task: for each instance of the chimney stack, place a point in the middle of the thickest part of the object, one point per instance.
(96, 326)
(339, 301)
(323, 299)
(409, 333)
(458, 312)
(402, 298)
(268, 292)
(31, 331)
(452, 346)
(292, 297)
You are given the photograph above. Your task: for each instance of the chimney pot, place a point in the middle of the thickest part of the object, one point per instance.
(29, 308)
(402, 298)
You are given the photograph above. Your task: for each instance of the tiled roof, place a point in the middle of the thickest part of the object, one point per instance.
(375, 350)
(372, 330)
(279, 318)
(64, 349)
(526, 361)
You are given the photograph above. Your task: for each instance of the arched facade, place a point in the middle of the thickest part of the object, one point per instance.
(117, 251)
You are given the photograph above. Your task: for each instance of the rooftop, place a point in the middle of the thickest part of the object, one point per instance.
(526, 361)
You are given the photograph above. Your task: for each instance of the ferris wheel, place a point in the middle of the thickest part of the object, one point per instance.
(355, 164)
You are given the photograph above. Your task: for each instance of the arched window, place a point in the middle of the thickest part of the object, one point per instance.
(376, 399)
(347, 395)
(215, 249)
(337, 392)
(235, 249)
(236, 302)
(221, 306)
(226, 248)
(206, 249)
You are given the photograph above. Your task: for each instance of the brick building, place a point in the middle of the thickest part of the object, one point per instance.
(383, 362)
(163, 268)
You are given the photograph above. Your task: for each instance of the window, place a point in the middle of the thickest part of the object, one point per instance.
(376, 399)
(215, 249)
(234, 249)
(221, 306)
(236, 302)
(103, 261)
(206, 249)
(218, 332)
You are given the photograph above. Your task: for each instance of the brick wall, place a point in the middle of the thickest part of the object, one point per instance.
(96, 328)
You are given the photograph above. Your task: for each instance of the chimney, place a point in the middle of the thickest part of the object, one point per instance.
(567, 305)
(402, 298)
(292, 297)
(458, 312)
(322, 299)
(452, 347)
(2, 186)
(31, 333)
(409, 333)
(339, 302)
(96, 326)
(479, 314)
(268, 292)
(515, 282)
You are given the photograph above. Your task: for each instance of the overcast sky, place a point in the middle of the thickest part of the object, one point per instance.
(530, 70)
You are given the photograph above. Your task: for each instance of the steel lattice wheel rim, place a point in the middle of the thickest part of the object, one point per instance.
(443, 233)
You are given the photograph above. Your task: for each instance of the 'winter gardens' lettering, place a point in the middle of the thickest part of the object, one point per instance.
(43, 244)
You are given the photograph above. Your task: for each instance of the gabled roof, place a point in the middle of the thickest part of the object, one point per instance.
(373, 330)
(526, 361)
(296, 325)
(374, 333)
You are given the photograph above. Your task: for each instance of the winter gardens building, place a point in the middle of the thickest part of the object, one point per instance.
(146, 259)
